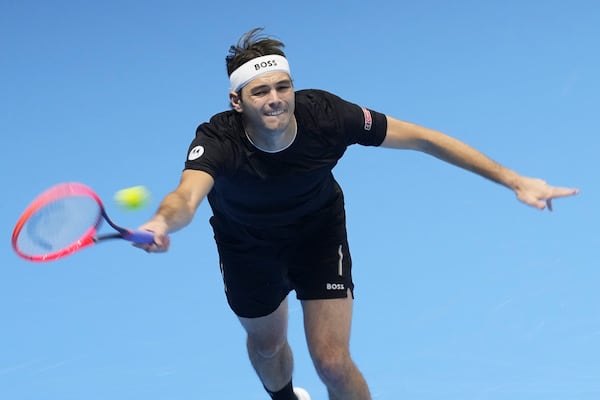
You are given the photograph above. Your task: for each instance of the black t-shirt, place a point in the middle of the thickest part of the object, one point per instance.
(261, 189)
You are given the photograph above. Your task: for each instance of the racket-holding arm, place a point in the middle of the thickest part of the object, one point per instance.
(176, 210)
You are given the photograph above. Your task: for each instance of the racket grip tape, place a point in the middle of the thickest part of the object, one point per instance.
(139, 237)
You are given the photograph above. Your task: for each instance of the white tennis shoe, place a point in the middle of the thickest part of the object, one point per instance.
(301, 394)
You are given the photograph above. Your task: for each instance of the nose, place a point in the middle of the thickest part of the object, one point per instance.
(274, 97)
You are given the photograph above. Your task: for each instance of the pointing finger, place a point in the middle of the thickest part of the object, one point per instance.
(563, 192)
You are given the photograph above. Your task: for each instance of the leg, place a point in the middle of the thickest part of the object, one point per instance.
(268, 348)
(327, 325)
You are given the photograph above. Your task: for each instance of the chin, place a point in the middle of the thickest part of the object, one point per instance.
(279, 126)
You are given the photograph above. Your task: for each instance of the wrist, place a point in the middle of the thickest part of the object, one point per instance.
(512, 180)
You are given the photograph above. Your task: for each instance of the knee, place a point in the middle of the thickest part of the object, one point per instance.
(266, 347)
(333, 367)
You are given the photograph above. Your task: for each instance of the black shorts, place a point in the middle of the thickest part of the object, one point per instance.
(261, 266)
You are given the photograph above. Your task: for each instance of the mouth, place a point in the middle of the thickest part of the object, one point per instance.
(274, 113)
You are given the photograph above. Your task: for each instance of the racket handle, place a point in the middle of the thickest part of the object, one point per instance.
(139, 237)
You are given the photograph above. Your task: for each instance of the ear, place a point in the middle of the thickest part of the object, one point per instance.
(236, 101)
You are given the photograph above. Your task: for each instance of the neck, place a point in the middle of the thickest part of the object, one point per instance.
(272, 141)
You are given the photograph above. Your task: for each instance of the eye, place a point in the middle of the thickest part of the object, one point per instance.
(260, 92)
(284, 87)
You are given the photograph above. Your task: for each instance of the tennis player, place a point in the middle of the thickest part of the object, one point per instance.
(278, 213)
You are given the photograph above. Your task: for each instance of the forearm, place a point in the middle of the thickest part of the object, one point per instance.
(174, 212)
(464, 156)
(410, 136)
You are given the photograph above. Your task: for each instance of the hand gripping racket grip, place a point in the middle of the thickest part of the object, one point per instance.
(139, 237)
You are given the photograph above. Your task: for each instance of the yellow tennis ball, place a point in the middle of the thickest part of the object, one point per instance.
(133, 198)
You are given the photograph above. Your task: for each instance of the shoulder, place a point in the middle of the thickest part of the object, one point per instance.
(324, 103)
(216, 147)
(319, 106)
(222, 125)
(316, 97)
(228, 117)
(329, 111)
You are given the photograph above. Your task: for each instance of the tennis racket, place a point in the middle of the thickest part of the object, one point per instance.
(63, 220)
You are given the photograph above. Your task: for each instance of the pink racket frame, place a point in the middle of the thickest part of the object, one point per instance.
(52, 194)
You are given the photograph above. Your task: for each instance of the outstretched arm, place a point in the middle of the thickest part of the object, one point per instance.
(531, 191)
(177, 208)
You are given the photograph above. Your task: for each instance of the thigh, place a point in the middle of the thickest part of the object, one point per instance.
(327, 326)
(322, 268)
(272, 328)
(253, 269)
(255, 283)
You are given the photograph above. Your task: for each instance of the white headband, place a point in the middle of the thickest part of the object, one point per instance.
(256, 67)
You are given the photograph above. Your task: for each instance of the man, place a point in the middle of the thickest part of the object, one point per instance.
(278, 213)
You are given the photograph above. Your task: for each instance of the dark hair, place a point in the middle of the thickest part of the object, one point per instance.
(251, 45)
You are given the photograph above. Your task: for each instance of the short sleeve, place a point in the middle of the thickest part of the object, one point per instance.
(359, 125)
(212, 149)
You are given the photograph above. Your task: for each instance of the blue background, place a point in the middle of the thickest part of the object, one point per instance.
(462, 292)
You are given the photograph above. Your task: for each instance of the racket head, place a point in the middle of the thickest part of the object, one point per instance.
(60, 221)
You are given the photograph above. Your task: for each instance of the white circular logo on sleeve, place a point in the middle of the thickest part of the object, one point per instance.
(196, 153)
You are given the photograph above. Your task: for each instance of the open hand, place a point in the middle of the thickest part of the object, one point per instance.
(537, 193)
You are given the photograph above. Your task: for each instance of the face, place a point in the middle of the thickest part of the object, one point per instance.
(267, 103)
